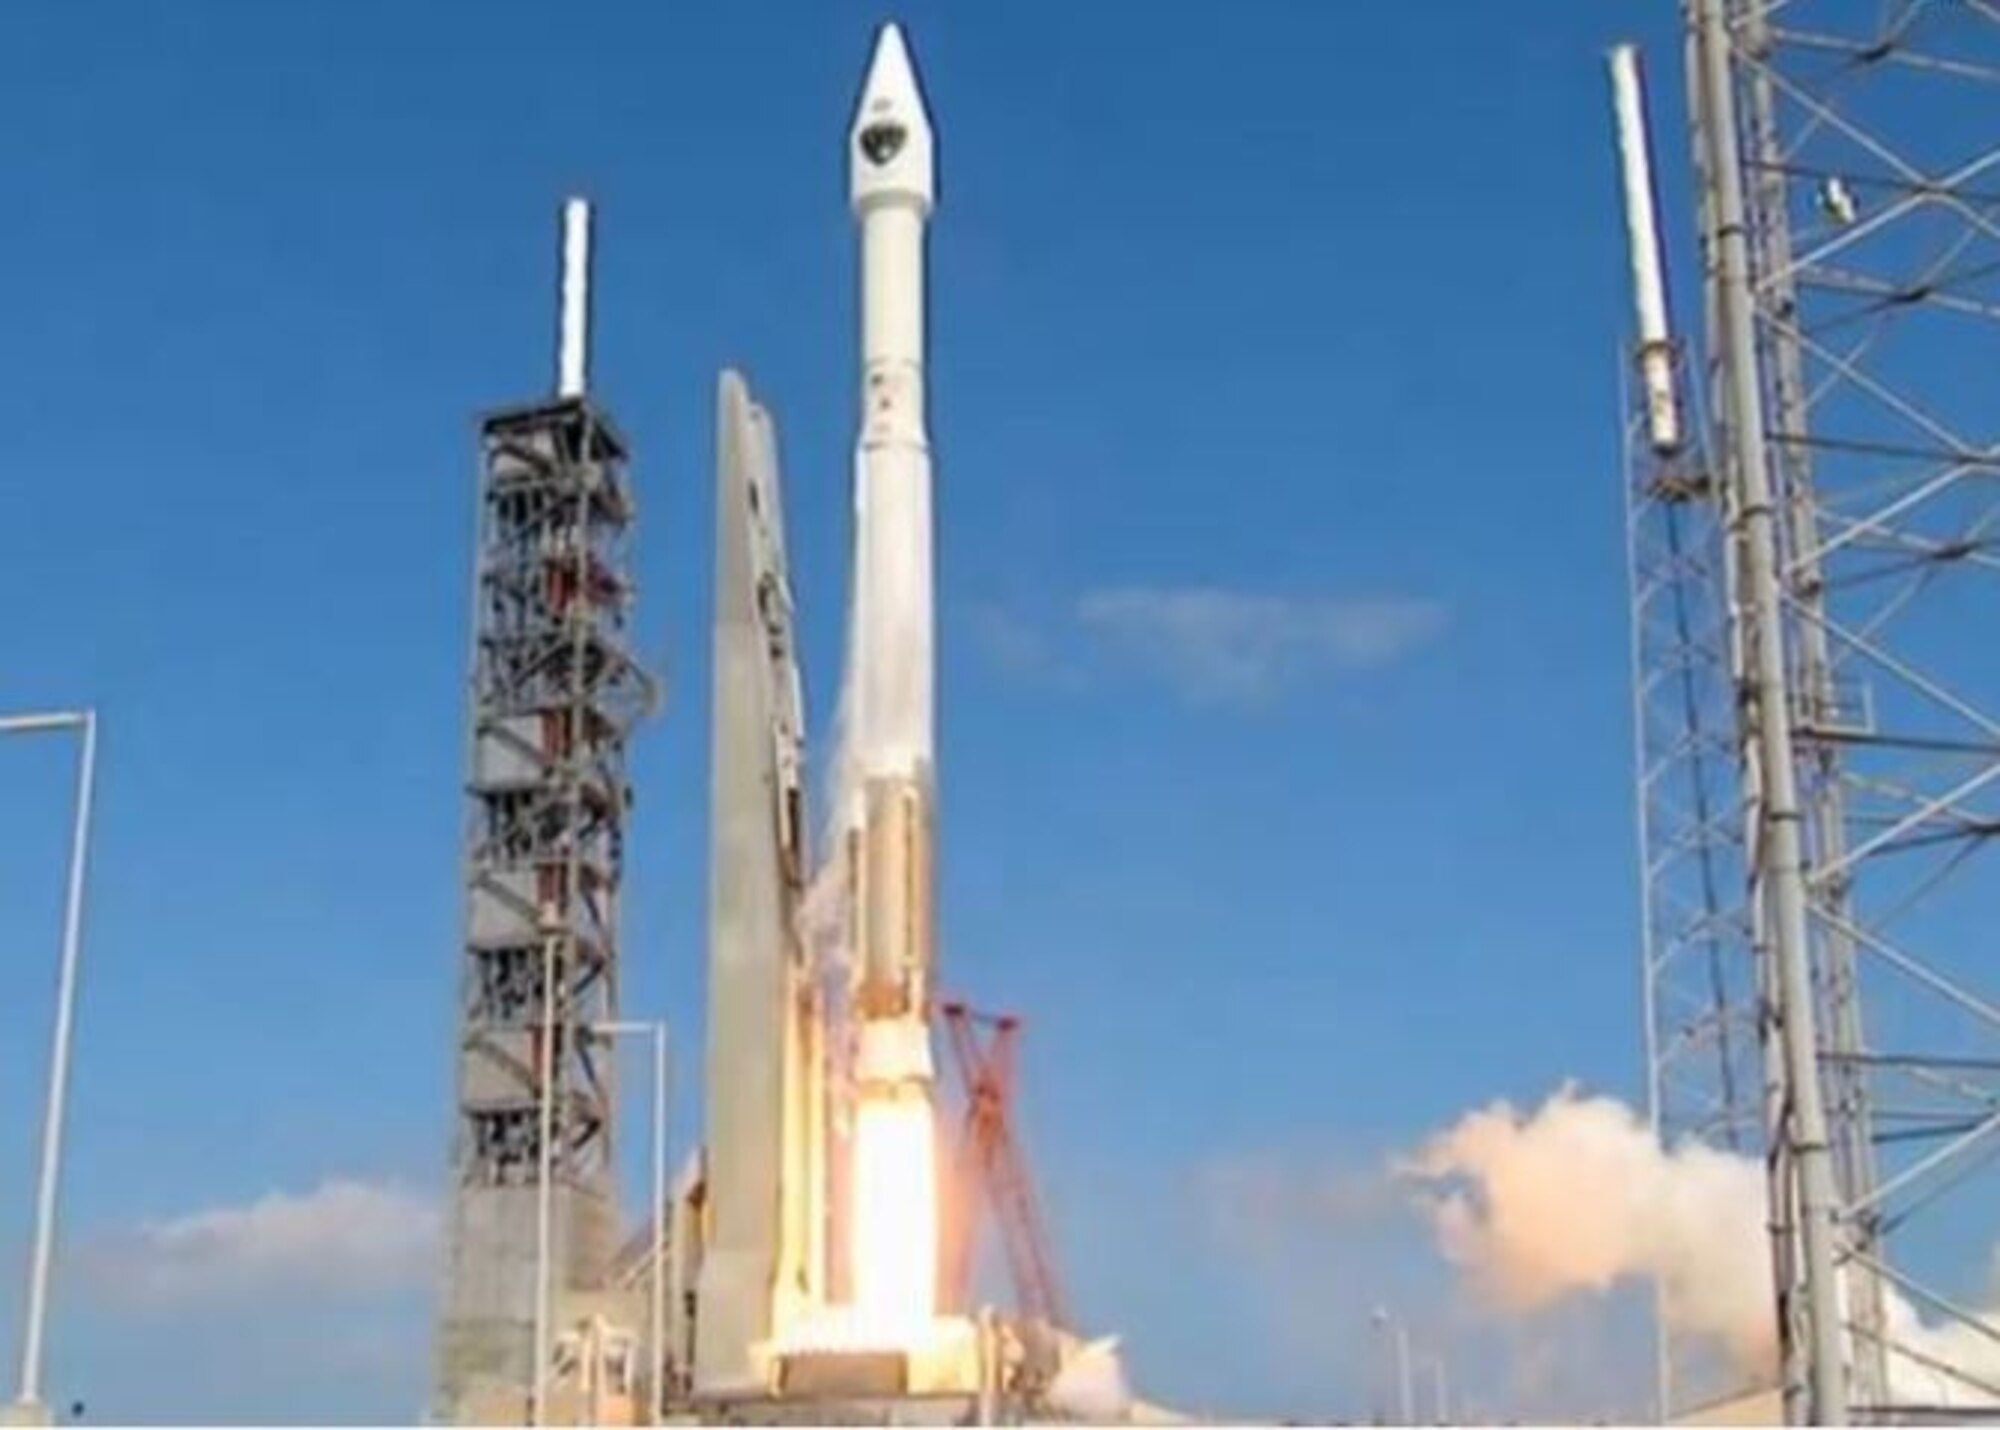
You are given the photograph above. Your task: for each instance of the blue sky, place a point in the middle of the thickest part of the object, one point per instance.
(1284, 709)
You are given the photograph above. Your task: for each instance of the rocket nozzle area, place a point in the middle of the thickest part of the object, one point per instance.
(893, 1053)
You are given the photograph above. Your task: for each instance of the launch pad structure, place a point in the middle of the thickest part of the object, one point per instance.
(1812, 534)
(811, 1262)
(555, 697)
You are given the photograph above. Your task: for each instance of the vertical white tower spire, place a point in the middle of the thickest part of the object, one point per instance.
(1649, 285)
(573, 324)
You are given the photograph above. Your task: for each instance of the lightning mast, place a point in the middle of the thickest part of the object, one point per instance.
(555, 695)
(1849, 185)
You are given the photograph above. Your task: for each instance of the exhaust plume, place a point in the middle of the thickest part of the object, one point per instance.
(1091, 1387)
(1579, 1195)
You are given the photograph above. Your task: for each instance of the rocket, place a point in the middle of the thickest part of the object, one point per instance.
(891, 787)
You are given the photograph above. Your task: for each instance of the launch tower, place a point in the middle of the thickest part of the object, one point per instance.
(555, 695)
(1834, 505)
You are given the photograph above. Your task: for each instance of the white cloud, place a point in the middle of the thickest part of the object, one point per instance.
(1216, 644)
(344, 1237)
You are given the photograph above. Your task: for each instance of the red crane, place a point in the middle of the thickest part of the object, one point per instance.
(988, 1165)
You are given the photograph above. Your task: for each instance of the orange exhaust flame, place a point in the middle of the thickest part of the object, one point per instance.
(895, 1214)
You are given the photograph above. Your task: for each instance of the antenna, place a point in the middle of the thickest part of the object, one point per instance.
(1649, 288)
(573, 333)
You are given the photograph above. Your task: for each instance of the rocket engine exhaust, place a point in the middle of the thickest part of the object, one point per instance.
(894, 1250)
(895, 1211)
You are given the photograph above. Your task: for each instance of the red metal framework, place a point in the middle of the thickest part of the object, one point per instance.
(988, 1165)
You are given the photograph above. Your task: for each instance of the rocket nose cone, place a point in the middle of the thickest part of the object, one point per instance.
(890, 144)
(891, 86)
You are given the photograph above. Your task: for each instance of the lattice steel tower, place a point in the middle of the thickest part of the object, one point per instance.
(555, 696)
(1848, 171)
(1704, 1070)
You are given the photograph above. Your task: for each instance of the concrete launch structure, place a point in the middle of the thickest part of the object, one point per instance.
(764, 1252)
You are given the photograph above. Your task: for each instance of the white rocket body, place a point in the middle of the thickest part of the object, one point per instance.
(891, 717)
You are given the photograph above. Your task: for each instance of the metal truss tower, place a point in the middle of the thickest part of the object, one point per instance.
(1704, 1077)
(555, 696)
(1848, 166)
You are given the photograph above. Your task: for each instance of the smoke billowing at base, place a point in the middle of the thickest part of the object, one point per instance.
(1579, 1196)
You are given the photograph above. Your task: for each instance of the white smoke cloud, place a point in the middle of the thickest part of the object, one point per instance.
(1917, 1378)
(344, 1237)
(1578, 1195)
(1091, 1388)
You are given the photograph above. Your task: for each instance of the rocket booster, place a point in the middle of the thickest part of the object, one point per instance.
(892, 186)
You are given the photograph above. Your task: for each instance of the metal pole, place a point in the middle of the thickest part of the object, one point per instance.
(1654, 347)
(1780, 872)
(573, 324)
(1849, 1120)
(661, 1089)
(1399, 1340)
(32, 1339)
(657, 1284)
(659, 1209)
(544, 1193)
(40, 724)
(1406, 1395)
(1438, 1401)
